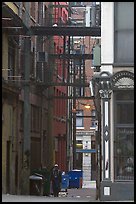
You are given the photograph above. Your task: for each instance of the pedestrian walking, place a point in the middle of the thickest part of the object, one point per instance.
(56, 178)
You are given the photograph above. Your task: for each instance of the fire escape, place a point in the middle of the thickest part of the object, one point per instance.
(60, 29)
(67, 31)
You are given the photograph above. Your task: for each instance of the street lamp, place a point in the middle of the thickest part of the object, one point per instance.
(87, 106)
(103, 86)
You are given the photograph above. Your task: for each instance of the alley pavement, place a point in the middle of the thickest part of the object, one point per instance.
(72, 195)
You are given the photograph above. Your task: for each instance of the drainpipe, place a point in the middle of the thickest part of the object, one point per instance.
(50, 91)
(74, 128)
(68, 121)
(93, 14)
(74, 120)
(26, 142)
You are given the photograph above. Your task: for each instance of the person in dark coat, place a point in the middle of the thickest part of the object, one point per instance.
(56, 178)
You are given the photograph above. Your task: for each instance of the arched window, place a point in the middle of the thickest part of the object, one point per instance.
(123, 83)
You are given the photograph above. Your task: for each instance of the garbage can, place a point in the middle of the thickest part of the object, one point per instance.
(75, 177)
(65, 182)
(46, 179)
(36, 184)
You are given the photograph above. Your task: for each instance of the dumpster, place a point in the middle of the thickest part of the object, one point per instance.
(36, 184)
(75, 178)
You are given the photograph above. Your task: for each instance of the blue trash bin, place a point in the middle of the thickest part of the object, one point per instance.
(75, 177)
(65, 182)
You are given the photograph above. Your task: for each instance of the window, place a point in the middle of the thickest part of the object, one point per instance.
(40, 13)
(76, 3)
(124, 135)
(79, 118)
(22, 116)
(93, 113)
(124, 33)
(93, 123)
(93, 120)
(80, 91)
(32, 9)
(35, 118)
(11, 60)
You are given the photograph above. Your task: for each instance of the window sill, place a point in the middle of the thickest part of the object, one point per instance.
(82, 128)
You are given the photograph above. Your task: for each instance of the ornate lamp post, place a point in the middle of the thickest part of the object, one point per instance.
(103, 84)
(105, 93)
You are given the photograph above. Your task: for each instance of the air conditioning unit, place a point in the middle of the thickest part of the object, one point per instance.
(97, 56)
(42, 57)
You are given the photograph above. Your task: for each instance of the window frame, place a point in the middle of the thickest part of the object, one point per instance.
(124, 58)
(120, 173)
(80, 117)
